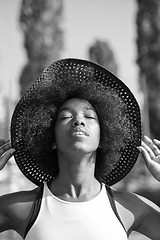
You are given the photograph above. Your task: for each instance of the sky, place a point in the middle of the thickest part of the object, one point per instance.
(12, 54)
(112, 21)
(83, 22)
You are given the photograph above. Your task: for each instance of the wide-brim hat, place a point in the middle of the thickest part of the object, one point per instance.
(57, 76)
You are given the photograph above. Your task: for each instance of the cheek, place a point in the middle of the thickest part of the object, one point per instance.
(96, 134)
(57, 134)
(60, 134)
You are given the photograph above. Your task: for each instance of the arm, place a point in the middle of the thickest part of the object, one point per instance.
(138, 214)
(149, 219)
(6, 152)
(149, 214)
(15, 208)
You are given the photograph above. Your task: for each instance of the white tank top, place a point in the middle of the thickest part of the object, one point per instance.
(63, 220)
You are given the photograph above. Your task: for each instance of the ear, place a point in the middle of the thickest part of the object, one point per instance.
(54, 146)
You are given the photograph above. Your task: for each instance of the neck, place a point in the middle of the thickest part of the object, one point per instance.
(76, 177)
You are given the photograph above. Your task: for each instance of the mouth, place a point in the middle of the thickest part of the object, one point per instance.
(79, 133)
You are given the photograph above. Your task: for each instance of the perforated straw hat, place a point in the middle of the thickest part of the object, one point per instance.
(64, 79)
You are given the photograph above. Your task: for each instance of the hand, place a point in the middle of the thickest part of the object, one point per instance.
(6, 152)
(150, 150)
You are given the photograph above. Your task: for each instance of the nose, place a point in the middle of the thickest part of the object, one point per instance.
(78, 122)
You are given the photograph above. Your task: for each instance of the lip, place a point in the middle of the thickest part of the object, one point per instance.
(79, 132)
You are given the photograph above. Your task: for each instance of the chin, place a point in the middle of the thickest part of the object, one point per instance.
(83, 148)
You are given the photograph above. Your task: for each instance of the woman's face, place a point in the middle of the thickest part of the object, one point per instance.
(77, 127)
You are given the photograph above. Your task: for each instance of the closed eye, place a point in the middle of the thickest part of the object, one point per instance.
(90, 117)
(65, 117)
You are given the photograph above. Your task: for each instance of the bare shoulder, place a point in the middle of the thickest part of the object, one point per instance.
(133, 201)
(16, 209)
(142, 215)
(18, 199)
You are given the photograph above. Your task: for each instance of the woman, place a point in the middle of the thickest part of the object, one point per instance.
(74, 133)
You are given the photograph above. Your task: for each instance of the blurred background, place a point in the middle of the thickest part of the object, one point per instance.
(121, 35)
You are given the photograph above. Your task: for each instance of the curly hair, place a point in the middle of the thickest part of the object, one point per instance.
(116, 127)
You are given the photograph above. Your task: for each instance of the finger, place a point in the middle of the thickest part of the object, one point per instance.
(150, 153)
(5, 148)
(152, 145)
(144, 153)
(146, 156)
(148, 150)
(3, 141)
(4, 159)
(157, 159)
(157, 142)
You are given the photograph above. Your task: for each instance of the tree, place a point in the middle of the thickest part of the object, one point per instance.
(148, 45)
(43, 38)
(101, 53)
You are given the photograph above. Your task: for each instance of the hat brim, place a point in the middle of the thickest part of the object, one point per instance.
(81, 71)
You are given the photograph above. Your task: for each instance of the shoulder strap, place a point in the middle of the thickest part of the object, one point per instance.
(36, 208)
(113, 205)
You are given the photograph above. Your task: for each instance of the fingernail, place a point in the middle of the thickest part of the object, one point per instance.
(139, 148)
